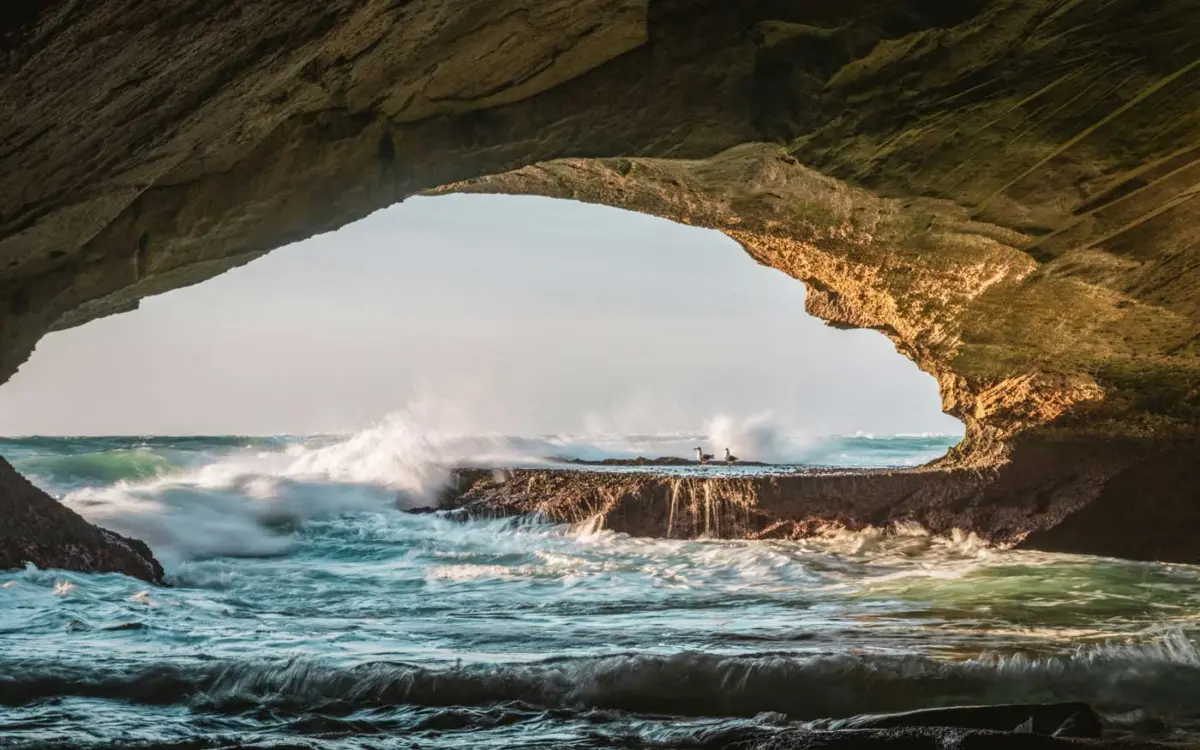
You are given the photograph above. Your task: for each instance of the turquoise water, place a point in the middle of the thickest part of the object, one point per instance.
(307, 609)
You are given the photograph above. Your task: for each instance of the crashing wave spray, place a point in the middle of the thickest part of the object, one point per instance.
(756, 438)
(226, 500)
(237, 504)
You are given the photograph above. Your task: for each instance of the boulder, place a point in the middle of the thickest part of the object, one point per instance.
(35, 528)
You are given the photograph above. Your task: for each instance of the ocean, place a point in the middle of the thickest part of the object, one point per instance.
(306, 608)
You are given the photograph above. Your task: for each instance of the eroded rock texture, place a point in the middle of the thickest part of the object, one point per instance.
(1117, 497)
(1006, 188)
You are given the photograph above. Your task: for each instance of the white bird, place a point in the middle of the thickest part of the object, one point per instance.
(730, 458)
(702, 457)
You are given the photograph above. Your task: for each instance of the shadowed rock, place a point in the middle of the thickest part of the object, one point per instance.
(1058, 719)
(1005, 188)
(36, 528)
(934, 738)
(1055, 726)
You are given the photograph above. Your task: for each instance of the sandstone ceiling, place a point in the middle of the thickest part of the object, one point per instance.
(1006, 188)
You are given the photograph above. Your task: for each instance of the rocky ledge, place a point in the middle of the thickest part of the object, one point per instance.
(1051, 726)
(1055, 495)
(36, 528)
(935, 738)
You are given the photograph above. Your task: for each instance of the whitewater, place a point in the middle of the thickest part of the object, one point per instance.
(307, 608)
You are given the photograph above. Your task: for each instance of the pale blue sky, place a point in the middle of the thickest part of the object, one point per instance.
(518, 315)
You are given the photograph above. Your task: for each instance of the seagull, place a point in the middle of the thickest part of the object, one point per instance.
(702, 457)
(730, 458)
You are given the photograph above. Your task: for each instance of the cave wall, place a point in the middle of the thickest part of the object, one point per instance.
(1005, 188)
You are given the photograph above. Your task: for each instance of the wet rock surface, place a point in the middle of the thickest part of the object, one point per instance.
(1060, 496)
(36, 528)
(1057, 719)
(935, 738)
(1048, 726)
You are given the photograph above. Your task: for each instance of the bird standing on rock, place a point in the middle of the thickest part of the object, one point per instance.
(730, 458)
(702, 457)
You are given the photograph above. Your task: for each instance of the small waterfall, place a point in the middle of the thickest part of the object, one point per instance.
(707, 510)
(674, 501)
(590, 526)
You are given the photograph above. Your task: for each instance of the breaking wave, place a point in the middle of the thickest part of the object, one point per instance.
(105, 466)
(192, 498)
(514, 632)
(1160, 679)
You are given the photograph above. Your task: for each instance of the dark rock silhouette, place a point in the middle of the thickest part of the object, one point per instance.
(36, 528)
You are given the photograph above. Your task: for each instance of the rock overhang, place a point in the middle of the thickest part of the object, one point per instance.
(1006, 189)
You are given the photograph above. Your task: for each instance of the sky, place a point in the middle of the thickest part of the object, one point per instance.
(517, 315)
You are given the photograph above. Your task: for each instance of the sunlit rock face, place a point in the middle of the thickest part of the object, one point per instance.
(1008, 189)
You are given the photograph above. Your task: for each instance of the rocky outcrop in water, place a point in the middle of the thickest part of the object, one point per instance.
(36, 528)
(1064, 497)
(1055, 719)
(1004, 188)
(934, 738)
(1053, 726)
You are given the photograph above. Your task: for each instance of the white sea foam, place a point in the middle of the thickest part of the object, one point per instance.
(1159, 675)
(401, 614)
(238, 502)
(756, 438)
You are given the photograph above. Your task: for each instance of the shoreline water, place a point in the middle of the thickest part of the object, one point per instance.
(305, 607)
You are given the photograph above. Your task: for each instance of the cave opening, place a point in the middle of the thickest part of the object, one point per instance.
(1001, 190)
(498, 314)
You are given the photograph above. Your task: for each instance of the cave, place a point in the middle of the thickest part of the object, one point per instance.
(492, 315)
(1006, 191)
